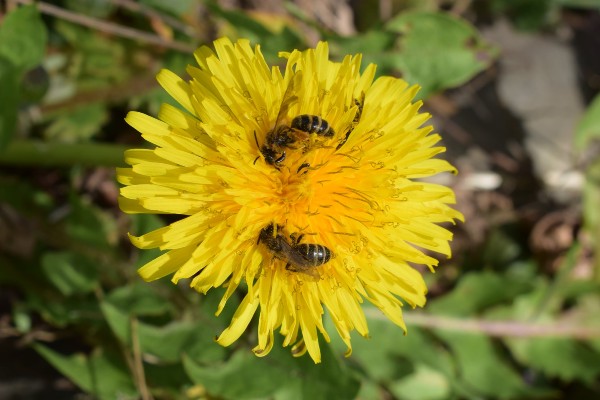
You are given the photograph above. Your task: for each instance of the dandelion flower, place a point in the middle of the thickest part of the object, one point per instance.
(317, 217)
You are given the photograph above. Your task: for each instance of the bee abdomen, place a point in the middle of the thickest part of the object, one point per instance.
(315, 254)
(312, 124)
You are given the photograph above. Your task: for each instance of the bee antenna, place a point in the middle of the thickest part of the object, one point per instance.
(256, 140)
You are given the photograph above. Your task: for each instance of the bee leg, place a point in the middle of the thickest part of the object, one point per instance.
(255, 160)
(280, 159)
(290, 267)
(296, 239)
(344, 140)
(305, 165)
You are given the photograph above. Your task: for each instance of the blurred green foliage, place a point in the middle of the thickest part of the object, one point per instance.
(67, 259)
(22, 47)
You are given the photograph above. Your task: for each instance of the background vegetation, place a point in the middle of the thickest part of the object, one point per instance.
(514, 315)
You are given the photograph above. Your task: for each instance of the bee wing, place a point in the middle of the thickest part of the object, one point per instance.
(289, 97)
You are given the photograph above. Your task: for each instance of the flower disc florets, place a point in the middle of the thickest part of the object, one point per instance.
(339, 213)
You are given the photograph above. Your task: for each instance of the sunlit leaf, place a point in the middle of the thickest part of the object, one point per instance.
(589, 127)
(23, 37)
(481, 367)
(476, 291)
(558, 357)
(79, 124)
(439, 51)
(98, 61)
(389, 354)
(21, 318)
(424, 384)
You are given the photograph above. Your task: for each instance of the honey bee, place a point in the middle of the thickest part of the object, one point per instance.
(277, 140)
(283, 137)
(300, 257)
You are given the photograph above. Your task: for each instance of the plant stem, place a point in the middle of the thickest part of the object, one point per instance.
(109, 27)
(39, 153)
(517, 329)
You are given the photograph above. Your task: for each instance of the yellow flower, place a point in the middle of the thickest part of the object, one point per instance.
(340, 213)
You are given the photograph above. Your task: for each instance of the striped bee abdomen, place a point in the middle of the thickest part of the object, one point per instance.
(315, 254)
(312, 124)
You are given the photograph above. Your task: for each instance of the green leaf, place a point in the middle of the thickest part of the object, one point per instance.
(23, 196)
(100, 374)
(389, 354)
(375, 41)
(65, 311)
(169, 342)
(502, 247)
(439, 51)
(172, 341)
(23, 37)
(278, 375)
(88, 224)
(481, 367)
(558, 358)
(562, 358)
(477, 291)
(369, 390)
(139, 298)
(525, 14)
(591, 199)
(71, 273)
(375, 46)
(243, 376)
(167, 380)
(79, 124)
(589, 125)
(21, 318)
(9, 98)
(97, 61)
(424, 384)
